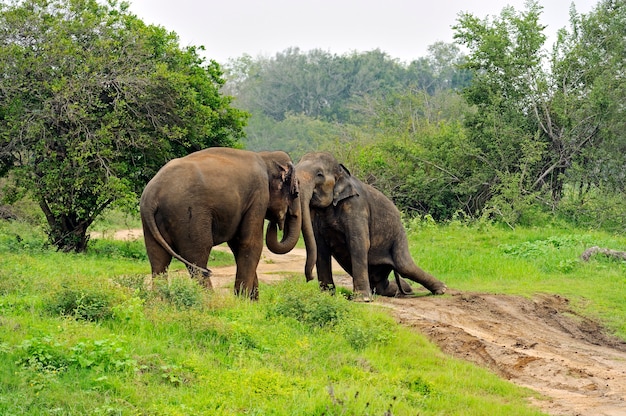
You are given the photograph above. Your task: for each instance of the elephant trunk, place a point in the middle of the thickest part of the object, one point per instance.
(306, 193)
(291, 232)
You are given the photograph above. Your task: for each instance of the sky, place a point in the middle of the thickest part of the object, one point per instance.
(401, 28)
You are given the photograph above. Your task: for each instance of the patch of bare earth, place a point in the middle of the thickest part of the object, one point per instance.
(538, 343)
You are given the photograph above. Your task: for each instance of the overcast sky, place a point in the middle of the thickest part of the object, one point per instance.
(402, 28)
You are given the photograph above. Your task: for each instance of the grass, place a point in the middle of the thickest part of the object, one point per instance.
(79, 335)
(527, 261)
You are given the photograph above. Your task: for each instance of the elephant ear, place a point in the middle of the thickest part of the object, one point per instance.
(288, 178)
(344, 186)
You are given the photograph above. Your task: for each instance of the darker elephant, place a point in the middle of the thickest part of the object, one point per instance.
(221, 195)
(357, 225)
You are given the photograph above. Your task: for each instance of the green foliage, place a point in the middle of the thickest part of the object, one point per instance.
(295, 134)
(310, 307)
(131, 249)
(428, 172)
(19, 235)
(180, 291)
(363, 333)
(97, 103)
(545, 124)
(594, 208)
(43, 354)
(47, 355)
(545, 246)
(90, 304)
(526, 261)
(529, 126)
(296, 351)
(333, 88)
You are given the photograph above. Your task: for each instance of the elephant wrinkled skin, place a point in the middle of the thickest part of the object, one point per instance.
(357, 225)
(220, 195)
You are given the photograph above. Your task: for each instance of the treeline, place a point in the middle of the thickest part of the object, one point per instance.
(509, 130)
(93, 102)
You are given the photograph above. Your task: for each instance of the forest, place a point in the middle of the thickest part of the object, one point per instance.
(497, 125)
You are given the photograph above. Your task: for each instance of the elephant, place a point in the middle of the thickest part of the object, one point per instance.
(219, 195)
(359, 226)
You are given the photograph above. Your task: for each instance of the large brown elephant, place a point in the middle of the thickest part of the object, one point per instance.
(221, 195)
(357, 225)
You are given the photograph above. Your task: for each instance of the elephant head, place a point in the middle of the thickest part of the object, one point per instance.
(284, 209)
(323, 181)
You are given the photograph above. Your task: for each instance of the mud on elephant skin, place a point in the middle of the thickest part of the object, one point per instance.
(359, 226)
(221, 195)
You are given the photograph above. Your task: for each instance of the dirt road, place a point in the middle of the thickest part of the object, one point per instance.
(538, 343)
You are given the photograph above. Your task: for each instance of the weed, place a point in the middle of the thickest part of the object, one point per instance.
(82, 303)
(129, 311)
(133, 249)
(544, 246)
(182, 291)
(104, 355)
(311, 307)
(43, 354)
(361, 332)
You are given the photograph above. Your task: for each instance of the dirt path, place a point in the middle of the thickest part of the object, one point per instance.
(537, 343)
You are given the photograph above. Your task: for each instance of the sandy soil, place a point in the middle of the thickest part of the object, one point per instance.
(538, 343)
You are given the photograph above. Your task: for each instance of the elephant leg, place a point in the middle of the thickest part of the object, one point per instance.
(407, 268)
(357, 237)
(159, 258)
(382, 285)
(247, 250)
(197, 250)
(324, 266)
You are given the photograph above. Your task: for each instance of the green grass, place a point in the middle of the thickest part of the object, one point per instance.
(79, 334)
(527, 261)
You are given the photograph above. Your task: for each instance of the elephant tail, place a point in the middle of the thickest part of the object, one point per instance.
(399, 283)
(151, 225)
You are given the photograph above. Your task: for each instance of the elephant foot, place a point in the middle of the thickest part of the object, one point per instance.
(359, 297)
(390, 289)
(439, 290)
(362, 297)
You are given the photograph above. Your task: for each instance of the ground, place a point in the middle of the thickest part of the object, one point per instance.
(538, 343)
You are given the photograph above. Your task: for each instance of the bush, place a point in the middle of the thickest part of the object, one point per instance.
(133, 249)
(309, 305)
(48, 355)
(182, 291)
(84, 303)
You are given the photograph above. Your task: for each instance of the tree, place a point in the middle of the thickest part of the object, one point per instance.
(589, 65)
(544, 122)
(524, 149)
(93, 102)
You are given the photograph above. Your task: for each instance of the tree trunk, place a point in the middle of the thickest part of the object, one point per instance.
(66, 231)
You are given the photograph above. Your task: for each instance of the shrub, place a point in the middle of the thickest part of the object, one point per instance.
(361, 332)
(84, 303)
(133, 249)
(48, 355)
(43, 354)
(309, 305)
(182, 291)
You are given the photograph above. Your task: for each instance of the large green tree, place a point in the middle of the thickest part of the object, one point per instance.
(524, 150)
(546, 121)
(93, 102)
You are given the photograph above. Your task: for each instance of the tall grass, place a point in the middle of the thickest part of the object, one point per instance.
(79, 335)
